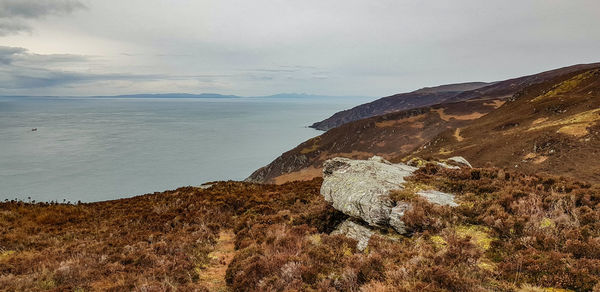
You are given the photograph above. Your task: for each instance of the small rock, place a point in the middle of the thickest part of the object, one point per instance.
(440, 198)
(355, 231)
(460, 160)
(396, 217)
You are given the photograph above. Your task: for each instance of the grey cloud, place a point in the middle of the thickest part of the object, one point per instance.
(20, 56)
(16, 77)
(8, 54)
(12, 26)
(37, 8)
(20, 69)
(337, 47)
(14, 12)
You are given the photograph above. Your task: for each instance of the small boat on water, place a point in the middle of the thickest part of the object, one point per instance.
(34, 129)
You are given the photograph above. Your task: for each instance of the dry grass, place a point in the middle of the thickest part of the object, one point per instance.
(566, 86)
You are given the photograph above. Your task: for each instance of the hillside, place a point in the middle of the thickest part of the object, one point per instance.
(510, 232)
(447, 93)
(404, 101)
(388, 135)
(551, 127)
(394, 135)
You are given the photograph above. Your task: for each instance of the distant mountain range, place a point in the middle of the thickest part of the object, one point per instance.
(170, 95)
(201, 95)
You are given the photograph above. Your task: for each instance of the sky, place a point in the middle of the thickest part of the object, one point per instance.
(263, 47)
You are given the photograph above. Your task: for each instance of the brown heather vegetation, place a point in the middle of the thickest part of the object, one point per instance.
(163, 241)
(511, 231)
(389, 135)
(551, 127)
(547, 125)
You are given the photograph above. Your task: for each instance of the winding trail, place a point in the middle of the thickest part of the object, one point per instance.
(214, 275)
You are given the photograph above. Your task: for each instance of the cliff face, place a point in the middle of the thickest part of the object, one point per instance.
(446, 93)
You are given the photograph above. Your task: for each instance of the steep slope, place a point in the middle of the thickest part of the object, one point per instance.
(387, 135)
(551, 127)
(440, 94)
(404, 101)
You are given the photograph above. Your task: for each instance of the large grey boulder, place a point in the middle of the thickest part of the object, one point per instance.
(361, 189)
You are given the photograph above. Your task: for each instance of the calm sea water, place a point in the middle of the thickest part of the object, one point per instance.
(100, 149)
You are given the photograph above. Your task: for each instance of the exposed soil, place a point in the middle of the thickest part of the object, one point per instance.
(224, 251)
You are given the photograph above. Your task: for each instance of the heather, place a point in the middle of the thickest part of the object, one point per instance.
(510, 232)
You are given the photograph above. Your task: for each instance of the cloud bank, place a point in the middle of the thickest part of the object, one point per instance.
(14, 14)
(262, 47)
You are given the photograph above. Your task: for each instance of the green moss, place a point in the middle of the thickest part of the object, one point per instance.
(566, 86)
(409, 192)
(438, 241)
(46, 284)
(547, 223)
(480, 235)
(4, 255)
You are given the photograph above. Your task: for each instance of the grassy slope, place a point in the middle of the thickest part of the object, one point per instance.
(152, 242)
(388, 136)
(395, 135)
(511, 231)
(441, 94)
(552, 127)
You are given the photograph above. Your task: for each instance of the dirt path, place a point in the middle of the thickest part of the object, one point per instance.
(214, 276)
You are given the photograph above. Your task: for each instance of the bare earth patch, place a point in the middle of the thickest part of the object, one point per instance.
(393, 123)
(495, 103)
(457, 135)
(446, 117)
(303, 174)
(214, 275)
(575, 125)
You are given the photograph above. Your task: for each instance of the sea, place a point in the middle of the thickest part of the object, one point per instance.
(95, 149)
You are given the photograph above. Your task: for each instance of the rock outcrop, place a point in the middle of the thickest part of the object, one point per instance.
(361, 189)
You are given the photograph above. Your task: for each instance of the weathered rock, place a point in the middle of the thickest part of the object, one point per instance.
(355, 231)
(440, 198)
(460, 160)
(455, 162)
(396, 215)
(360, 188)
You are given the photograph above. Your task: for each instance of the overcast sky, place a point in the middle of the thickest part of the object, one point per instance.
(260, 47)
